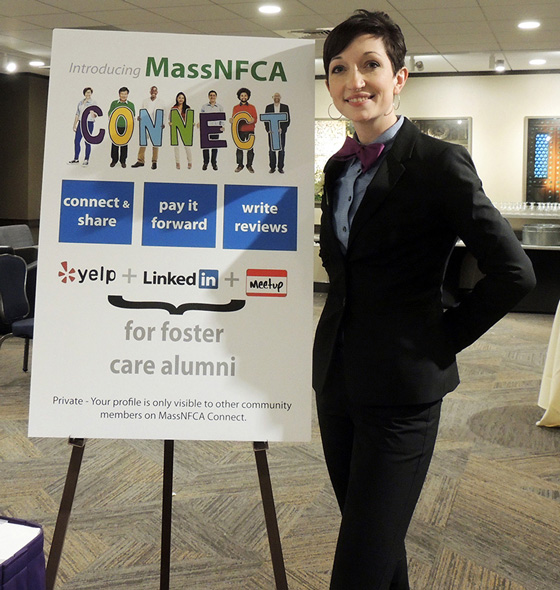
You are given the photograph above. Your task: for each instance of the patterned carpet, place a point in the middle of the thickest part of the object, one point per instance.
(488, 519)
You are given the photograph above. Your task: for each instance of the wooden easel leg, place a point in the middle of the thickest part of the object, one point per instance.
(270, 516)
(78, 446)
(166, 514)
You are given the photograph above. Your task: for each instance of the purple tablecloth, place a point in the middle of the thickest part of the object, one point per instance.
(25, 570)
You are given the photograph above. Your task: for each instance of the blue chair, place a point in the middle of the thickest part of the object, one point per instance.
(14, 304)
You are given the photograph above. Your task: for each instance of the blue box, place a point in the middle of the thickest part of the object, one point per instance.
(182, 215)
(260, 217)
(96, 212)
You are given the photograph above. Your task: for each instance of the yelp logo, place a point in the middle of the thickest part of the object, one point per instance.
(67, 274)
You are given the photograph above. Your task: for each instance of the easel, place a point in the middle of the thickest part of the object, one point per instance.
(78, 447)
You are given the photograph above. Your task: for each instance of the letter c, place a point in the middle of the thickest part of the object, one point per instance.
(93, 139)
(242, 145)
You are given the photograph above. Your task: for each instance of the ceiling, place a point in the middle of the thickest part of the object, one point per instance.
(445, 35)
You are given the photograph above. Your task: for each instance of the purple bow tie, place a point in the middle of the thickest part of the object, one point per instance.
(367, 154)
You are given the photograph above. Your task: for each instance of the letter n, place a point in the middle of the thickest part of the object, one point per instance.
(182, 127)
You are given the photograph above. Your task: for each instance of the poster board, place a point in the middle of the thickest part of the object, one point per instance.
(175, 302)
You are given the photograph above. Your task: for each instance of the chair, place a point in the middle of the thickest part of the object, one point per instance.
(19, 237)
(14, 305)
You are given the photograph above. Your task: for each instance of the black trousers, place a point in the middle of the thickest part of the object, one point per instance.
(119, 153)
(281, 153)
(377, 458)
(244, 136)
(206, 156)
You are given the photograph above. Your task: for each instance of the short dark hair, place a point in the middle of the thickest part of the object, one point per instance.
(246, 90)
(86, 89)
(210, 92)
(362, 22)
(123, 89)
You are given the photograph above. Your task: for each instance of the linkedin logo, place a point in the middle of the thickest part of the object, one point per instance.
(208, 278)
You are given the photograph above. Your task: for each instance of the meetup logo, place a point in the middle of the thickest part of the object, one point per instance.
(266, 283)
(204, 278)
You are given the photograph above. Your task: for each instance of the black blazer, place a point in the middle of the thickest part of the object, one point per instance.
(384, 306)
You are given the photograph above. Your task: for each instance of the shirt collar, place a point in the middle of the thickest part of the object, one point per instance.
(388, 136)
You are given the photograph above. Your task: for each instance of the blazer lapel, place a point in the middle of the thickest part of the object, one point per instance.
(333, 169)
(386, 177)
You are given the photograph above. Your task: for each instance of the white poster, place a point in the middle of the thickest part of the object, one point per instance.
(174, 296)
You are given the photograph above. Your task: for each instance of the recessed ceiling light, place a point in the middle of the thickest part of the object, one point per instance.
(529, 24)
(500, 66)
(269, 9)
(37, 63)
(11, 67)
(537, 62)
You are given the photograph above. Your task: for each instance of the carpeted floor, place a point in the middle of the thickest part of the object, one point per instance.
(488, 518)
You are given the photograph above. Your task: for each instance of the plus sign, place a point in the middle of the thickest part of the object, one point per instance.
(128, 275)
(231, 279)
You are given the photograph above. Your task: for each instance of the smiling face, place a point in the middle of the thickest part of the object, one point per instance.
(362, 84)
(243, 97)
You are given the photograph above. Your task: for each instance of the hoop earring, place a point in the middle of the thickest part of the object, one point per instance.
(329, 112)
(393, 107)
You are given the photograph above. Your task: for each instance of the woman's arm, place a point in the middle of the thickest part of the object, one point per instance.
(508, 272)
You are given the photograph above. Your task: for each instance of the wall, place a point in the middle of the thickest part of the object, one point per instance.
(498, 106)
(23, 110)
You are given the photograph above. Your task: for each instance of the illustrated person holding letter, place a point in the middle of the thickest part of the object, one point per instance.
(277, 107)
(395, 202)
(244, 128)
(86, 102)
(119, 152)
(151, 105)
(211, 107)
(181, 107)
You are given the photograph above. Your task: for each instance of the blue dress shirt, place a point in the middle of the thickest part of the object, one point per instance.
(350, 188)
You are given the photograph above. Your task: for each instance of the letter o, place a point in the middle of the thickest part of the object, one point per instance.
(115, 136)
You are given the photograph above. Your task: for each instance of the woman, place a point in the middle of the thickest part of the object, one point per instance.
(181, 106)
(384, 353)
(82, 105)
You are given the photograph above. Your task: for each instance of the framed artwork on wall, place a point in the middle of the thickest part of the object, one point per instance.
(457, 130)
(542, 172)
